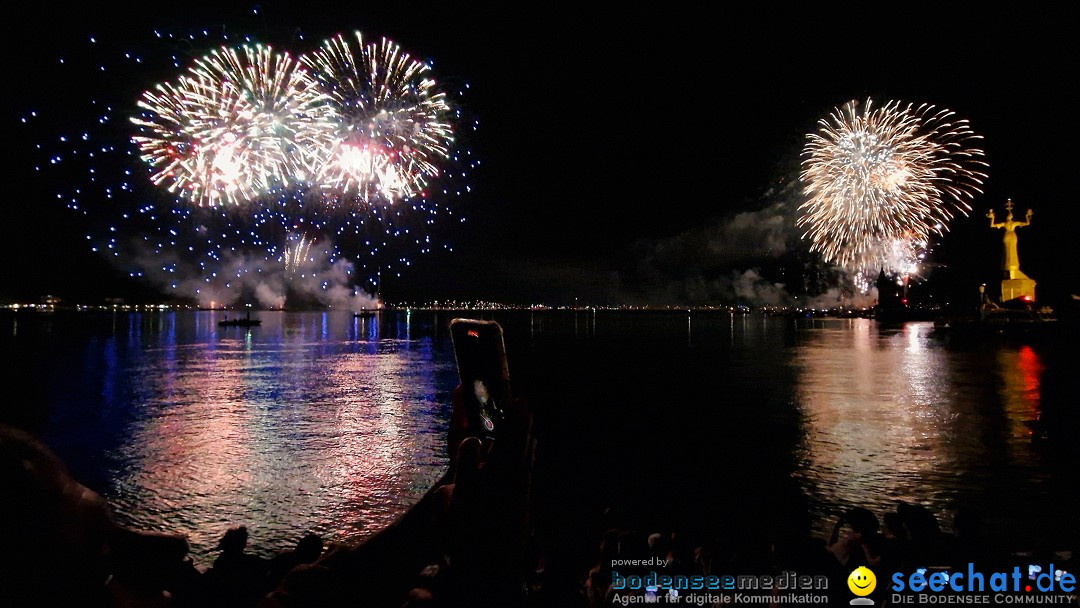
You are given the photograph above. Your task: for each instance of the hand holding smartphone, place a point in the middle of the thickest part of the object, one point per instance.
(485, 379)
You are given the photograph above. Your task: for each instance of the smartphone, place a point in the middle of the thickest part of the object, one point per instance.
(485, 379)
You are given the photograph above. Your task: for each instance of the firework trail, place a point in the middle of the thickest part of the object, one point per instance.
(880, 181)
(393, 125)
(296, 253)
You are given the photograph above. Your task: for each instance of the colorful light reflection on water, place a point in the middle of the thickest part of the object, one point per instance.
(892, 414)
(325, 422)
(319, 422)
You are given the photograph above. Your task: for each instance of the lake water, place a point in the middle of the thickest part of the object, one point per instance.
(328, 423)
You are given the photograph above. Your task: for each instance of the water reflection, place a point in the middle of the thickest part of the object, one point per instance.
(300, 424)
(335, 423)
(1020, 372)
(892, 415)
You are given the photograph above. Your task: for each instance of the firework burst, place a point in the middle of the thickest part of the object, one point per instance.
(880, 181)
(393, 127)
(238, 124)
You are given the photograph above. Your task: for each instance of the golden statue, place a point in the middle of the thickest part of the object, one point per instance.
(1015, 283)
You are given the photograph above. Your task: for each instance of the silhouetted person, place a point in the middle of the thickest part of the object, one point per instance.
(308, 549)
(237, 578)
(850, 550)
(927, 546)
(61, 545)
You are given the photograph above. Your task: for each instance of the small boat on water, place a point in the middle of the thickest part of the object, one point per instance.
(364, 314)
(245, 322)
(1006, 321)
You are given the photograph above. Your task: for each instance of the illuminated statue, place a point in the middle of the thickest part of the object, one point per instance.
(1012, 259)
(1015, 284)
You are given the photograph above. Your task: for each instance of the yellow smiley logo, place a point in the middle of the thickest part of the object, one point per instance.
(861, 581)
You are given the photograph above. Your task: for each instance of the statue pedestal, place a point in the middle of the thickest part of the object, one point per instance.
(1017, 288)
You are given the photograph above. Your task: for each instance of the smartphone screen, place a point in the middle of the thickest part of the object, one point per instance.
(485, 379)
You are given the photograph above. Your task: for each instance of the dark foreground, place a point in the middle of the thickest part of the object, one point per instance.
(470, 541)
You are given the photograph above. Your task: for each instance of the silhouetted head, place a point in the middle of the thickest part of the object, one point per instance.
(309, 548)
(894, 525)
(658, 544)
(234, 540)
(918, 520)
(862, 521)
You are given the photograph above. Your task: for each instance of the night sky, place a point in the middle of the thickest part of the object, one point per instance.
(608, 135)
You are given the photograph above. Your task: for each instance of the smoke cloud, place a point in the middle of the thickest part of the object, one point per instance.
(318, 280)
(755, 258)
